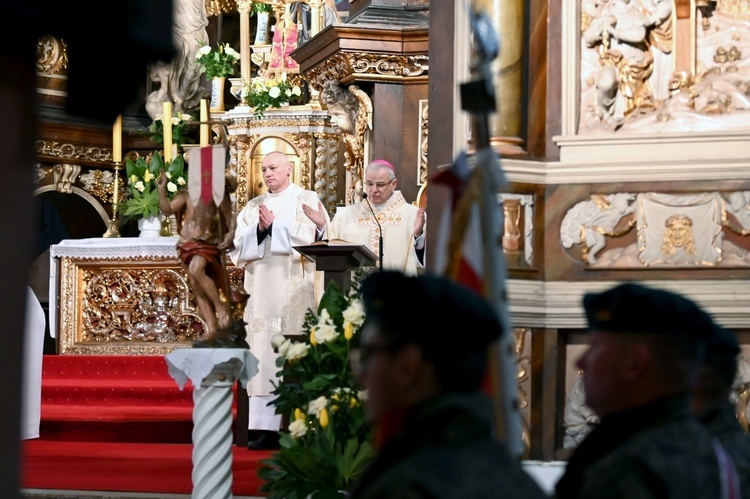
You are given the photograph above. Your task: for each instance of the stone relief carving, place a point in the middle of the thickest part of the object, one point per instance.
(629, 81)
(591, 221)
(579, 419)
(686, 230)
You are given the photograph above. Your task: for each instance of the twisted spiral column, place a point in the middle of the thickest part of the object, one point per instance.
(212, 433)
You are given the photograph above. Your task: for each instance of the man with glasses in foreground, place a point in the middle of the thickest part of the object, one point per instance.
(422, 358)
(382, 212)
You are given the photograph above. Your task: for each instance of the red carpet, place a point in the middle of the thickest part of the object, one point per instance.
(160, 468)
(119, 423)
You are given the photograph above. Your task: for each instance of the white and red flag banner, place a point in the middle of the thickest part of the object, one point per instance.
(459, 254)
(469, 251)
(206, 175)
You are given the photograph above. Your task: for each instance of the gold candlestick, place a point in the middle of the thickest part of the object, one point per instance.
(113, 227)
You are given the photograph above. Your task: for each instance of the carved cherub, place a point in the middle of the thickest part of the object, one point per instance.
(591, 221)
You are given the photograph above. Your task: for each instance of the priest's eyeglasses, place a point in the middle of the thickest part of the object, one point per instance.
(378, 185)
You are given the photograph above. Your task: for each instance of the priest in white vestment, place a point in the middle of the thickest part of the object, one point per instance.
(280, 281)
(402, 223)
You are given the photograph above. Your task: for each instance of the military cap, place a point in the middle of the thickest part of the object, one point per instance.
(444, 318)
(631, 307)
(722, 341)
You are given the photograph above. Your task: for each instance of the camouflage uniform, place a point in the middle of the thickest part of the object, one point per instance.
(446, 450)
(722, 423)
(655, 451)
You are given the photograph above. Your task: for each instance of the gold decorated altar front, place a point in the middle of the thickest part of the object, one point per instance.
(120, 296)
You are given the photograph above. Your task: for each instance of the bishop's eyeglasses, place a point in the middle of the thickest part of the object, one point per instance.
(378, 185)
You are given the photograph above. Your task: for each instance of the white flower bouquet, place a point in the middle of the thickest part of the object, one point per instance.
(219, 63)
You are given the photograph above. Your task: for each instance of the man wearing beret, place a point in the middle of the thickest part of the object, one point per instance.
(422, 358)
(711, 403)
(646, 349)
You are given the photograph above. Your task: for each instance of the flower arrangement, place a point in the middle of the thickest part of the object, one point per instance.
(143, 200)
(328, 444)
(259, 7)
(217, 63)
(263, 93)
(180, 129)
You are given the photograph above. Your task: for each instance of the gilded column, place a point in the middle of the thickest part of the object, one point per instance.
(505, 123)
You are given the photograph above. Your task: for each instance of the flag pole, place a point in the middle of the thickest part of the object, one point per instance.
(478, 97)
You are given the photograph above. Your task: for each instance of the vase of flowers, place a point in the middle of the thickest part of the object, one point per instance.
(265, 93)
(143, 195)
(263, 12)
(328, 441)
(217, 65)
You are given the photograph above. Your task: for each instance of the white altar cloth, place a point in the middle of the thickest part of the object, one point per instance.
(113, 248)
(116, 247)
(196, 364)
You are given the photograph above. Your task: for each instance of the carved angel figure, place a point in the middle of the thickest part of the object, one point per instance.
(591, 221)
(623, 32)
(738, 204)
(351, 113)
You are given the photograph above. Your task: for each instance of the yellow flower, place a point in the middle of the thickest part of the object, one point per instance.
(313, 342)
(298, 414)
(324, 418)
(348, 330)
(147, 176)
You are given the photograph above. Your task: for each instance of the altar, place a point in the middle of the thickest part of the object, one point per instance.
(121, 296)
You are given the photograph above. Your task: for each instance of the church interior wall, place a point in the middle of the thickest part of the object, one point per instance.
(563, 168)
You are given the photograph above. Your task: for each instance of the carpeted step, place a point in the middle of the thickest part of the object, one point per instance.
(127, 467)
(114, 399)
(93, 367)
(117, 432)
(75, 391)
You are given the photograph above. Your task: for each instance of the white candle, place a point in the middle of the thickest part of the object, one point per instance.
(166, 120)
(117, 140)
(204, 123)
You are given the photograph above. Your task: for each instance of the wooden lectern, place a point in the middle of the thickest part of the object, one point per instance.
(338, 261)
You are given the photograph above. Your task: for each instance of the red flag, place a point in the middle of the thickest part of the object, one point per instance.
(206, 178)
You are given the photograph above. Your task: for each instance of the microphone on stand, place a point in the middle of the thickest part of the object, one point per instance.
(380, 230)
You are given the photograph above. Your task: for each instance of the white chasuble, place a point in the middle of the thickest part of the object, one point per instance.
(280, 281)
(355, 224)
